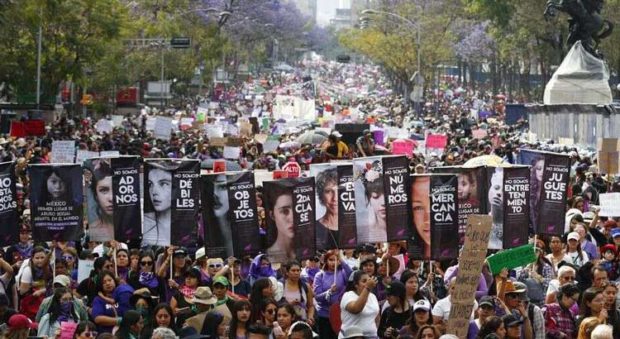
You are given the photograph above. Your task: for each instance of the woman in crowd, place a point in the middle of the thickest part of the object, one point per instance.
(35, 282)
(60, 310)
(70, 257)
(237, 283)
(286, 317)
(592, 305)
(486, 309)
(146, 277)
(560, 317)
(428, 332)
(574, 252)
(412, 287)
(164, 316)
(143, 304)
(181, 301)
(85, 330)
(298, 293)
(214, 325)
(240, 320)
(131, 325)
(122, 264)
(493, 325)
(587, 326)
(557, 254)
(421, 316)
(398, 312)
(538, 274)
(359, 306)
(329, 286)
(268, 312)
(179, 266)
(610, 291)
(261, 291)
(88, 287)
(105, 308)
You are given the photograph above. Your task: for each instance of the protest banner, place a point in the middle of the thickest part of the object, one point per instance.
(511, 258)
(162, 128)
(171, 191)
(56, 199)
(516, 194)
(610, 204)
(444, 221)
(370, 209)
(290, 212)
(327, 205)
(495, 205)
(243, 214)
(104, 126)
(63, 152)
(471, 193)
(468, 276)
(113, 198)
(397, 206)
(419, 244)
(9, 215)
(217, 228)
(347, 222)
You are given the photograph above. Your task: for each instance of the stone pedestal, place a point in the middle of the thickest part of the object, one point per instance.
(581, 79)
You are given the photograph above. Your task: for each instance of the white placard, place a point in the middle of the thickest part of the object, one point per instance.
(150, 123)
(117, 120)
(214, 131)
(610, 204)
(104, 126)
(163, 128)
(63, 151)
(231, 152)
(84, 269)
(109, 154)
(84, 155)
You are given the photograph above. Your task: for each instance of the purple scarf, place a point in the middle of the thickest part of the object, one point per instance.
(148, 279)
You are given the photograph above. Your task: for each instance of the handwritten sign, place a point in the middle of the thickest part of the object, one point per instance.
(404, 147)
(63, 151)
(512, 258)
(468, 277)
(610, 204)
(163, 128)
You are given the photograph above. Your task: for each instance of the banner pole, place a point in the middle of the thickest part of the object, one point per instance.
(53, 263)
(232, 278)
(115, 263)
(430, 270)
(171, 263)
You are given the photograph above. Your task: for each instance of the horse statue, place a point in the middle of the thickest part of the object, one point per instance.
(586, 23)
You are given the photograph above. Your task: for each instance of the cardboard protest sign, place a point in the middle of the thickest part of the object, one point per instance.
(162, 128)
(8, 205)
(56, 199)
(512, 258)
(610, 204)
(468, 277)
(436, 141)
(404, 147)
(63, 151)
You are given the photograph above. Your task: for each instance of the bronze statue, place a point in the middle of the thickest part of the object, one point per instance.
(586, 23)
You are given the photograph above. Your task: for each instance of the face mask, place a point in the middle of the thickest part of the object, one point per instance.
(265, 271)
(66, 306)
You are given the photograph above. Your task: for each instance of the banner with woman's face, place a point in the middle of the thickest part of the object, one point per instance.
(8, 205)
(290, 212)
(549, 178)
(471, 193)
(229, 214)
(370, 200)
(171, 201)
(327, 203)
(56, 199)
(113, 198)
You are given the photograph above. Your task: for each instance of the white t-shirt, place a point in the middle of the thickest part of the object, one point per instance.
(365, 320)
(554, 287)
(574, 258)
(443, 306)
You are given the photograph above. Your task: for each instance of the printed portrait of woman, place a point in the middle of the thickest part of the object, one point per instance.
(375, 202)
(218, 221)
(327, 224)
(57, 186)
(468, 189)
(496, 203)
(421, 212)
(280, 223)
(157, 208)
(536, 181)
(101, 222)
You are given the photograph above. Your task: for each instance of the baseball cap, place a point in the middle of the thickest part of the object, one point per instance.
(573, 236)
(220, 280)
(337, 134)
(422, 304)
(511, 320)
(180, 252)
(201, 253)
(487, 301)
(62, 280)
(20, 321)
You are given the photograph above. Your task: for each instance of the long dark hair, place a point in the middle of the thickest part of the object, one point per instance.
(271, 197)
(45, 270)
(408, 274)
(211, 323)
(55, 307)
(83, 326)
(65, 177)
(101, 170)
(168, 309)
(256, 297)
(490, 326)
(357, 276)
(234, 322)
(587, 297)
(102, 276)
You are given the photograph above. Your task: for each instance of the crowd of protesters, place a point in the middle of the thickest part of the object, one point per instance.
(137, 291)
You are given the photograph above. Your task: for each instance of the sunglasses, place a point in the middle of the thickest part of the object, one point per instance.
(146, 263)
(67, 257)
(215, 265)
(90, 334)
(270, 311)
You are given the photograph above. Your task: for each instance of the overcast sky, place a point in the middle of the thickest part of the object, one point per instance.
(326, 10)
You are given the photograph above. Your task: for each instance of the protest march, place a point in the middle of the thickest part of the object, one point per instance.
(314, 201)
